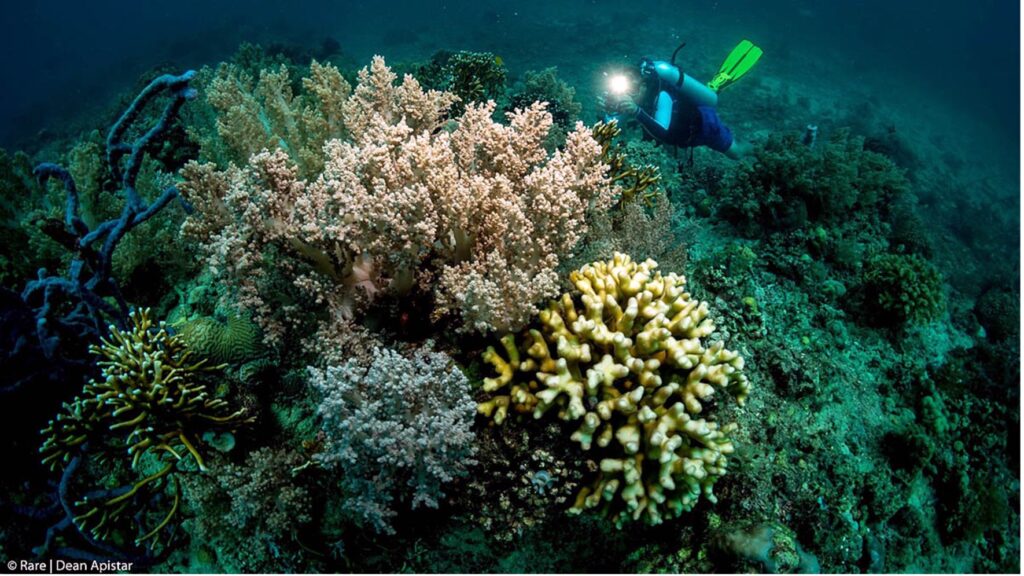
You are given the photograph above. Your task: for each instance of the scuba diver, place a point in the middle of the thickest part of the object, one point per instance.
(674, 108)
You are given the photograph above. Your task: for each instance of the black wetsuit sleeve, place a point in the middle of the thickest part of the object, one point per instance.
(651, 125)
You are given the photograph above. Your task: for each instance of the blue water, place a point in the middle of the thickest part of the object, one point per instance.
(61, 55)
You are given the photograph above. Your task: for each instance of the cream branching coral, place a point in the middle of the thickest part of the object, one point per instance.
(627, 356)
(472, 213)
(265, 113)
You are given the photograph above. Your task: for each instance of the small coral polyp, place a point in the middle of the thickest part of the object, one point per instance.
(627, 355)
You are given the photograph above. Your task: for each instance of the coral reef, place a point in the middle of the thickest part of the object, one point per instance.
(789, 185)
(99, 505)
(632, 362)
(473, 77)
(26, 212)
(910, 233)
(364, 235)
(769, 548)
(525, 479)
(86, 162)
(647, 153)
(146, 263)
(635, 183)
(474, 217)
(643, 231)
(998, 311)
(461, 548)
(397, 431)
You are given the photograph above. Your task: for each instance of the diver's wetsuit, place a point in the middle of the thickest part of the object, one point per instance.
(684, 124)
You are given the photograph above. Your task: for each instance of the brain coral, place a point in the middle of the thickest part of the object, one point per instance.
(627, 356)
(234, 341)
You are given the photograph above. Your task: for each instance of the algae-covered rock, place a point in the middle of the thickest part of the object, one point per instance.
(998, 311)
(767, 547)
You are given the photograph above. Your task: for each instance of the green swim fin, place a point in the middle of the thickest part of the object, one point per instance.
(740, 61)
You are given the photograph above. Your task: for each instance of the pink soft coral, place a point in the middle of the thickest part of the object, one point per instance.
(474, 213)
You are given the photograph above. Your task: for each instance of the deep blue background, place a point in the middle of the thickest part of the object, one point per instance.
(60, 56)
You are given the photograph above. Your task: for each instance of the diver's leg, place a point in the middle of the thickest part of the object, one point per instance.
(738, 149)
(716, 135)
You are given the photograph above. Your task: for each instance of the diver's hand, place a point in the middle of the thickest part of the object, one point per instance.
(626, 106)
(617, 104)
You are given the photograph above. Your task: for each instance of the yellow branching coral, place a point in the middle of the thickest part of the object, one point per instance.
(626, 355)
(633, 183)
(149, 400)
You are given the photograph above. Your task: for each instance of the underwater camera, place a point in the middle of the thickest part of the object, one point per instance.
(618, 85)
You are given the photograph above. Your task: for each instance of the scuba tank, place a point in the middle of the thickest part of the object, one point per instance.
(694, 90)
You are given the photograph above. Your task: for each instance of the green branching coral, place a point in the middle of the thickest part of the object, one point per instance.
(627, 356)
(475, 76)
(31, 223)
(906, 289)
(149, 403)
(545, 86)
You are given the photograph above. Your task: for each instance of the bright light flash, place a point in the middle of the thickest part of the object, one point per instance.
(618, 84)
